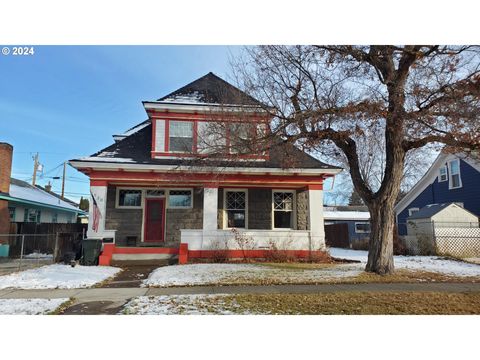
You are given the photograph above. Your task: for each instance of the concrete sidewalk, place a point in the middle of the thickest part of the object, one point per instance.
(123, 294)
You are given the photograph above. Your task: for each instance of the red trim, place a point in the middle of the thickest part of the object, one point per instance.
(98, 183)
(196, 155)
(206, 117)
(183, 254)
(315, 187)
(214, 177)
(154, 135)
(167, 136)
(145, 217)
(195, 136)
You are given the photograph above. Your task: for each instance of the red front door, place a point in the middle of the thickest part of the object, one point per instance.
(154, 219)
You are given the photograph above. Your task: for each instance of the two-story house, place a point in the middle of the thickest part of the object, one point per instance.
(151, 197)
(452, 178)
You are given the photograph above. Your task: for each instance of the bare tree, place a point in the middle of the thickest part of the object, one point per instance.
(342, 100)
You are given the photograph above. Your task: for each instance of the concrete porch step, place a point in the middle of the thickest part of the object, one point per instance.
(137, 262)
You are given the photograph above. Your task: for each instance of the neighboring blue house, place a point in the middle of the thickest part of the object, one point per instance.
(452, 178)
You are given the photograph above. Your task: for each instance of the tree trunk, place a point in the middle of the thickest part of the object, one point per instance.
(382, 223)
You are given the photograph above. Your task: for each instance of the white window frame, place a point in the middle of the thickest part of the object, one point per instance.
(225, 214)
(450, 186)
(361, 231)
(293, 211)
(167, 205)
(440, 174)
(117, 198)
(410, 213)
(170, 135)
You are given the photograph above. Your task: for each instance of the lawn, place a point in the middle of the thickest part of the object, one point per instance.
(345, 303)
(408, 269)
(58, 276)
(31, 306)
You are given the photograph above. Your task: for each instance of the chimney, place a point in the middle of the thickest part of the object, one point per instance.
(48, 187)
(6, 151)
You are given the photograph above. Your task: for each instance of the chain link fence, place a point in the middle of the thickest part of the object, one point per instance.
(454, 239)
(32, 250)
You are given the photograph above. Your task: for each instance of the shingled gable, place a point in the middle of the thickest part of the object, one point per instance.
(210, 89)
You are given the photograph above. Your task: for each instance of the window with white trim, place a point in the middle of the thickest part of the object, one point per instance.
(129, 198)
(412, 211)
(283, 204)
(455, 179)
(362, 227)
(180, 199)
(32, 216)
(442, 174)
(236, 208)
(241, 137)
(180, 136)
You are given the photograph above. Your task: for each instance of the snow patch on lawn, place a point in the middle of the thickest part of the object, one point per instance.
(178, 305)
(415, 263)
(29, 306)
(206, 274)
(58, 276)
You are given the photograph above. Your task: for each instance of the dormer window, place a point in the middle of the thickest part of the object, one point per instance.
(180, 136)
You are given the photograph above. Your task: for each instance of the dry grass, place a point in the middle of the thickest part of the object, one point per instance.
(357, 303)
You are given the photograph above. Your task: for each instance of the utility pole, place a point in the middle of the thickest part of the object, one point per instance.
(63, 179)
(35, 169)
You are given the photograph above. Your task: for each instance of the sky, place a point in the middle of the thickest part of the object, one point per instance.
(67, 101)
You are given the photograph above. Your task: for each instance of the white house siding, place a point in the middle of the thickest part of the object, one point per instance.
(46, 215)
(160, 135)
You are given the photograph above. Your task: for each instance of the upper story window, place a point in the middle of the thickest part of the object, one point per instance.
(455, 179)
(180, 136)
(442, 174)
(240, 135)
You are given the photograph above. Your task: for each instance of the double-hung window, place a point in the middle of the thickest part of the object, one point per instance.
(236, 208)
(455, 179)
(32, 215)
(240, 135)
(180, 136)
(283, 204)
(442, 174)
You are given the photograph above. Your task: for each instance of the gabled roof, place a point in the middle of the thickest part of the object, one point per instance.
(136, 149)
(431, 175)
(430, 210)
(23, 192)
(210, 89)
(71, 202)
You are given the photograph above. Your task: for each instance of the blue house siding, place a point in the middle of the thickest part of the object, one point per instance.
(468, 194)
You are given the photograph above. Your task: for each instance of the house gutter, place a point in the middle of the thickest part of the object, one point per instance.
(35, 203)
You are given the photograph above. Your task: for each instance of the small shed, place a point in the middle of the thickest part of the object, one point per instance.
(438, 226)
(346, 227)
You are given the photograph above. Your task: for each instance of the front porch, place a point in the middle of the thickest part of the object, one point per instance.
(145, 223)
